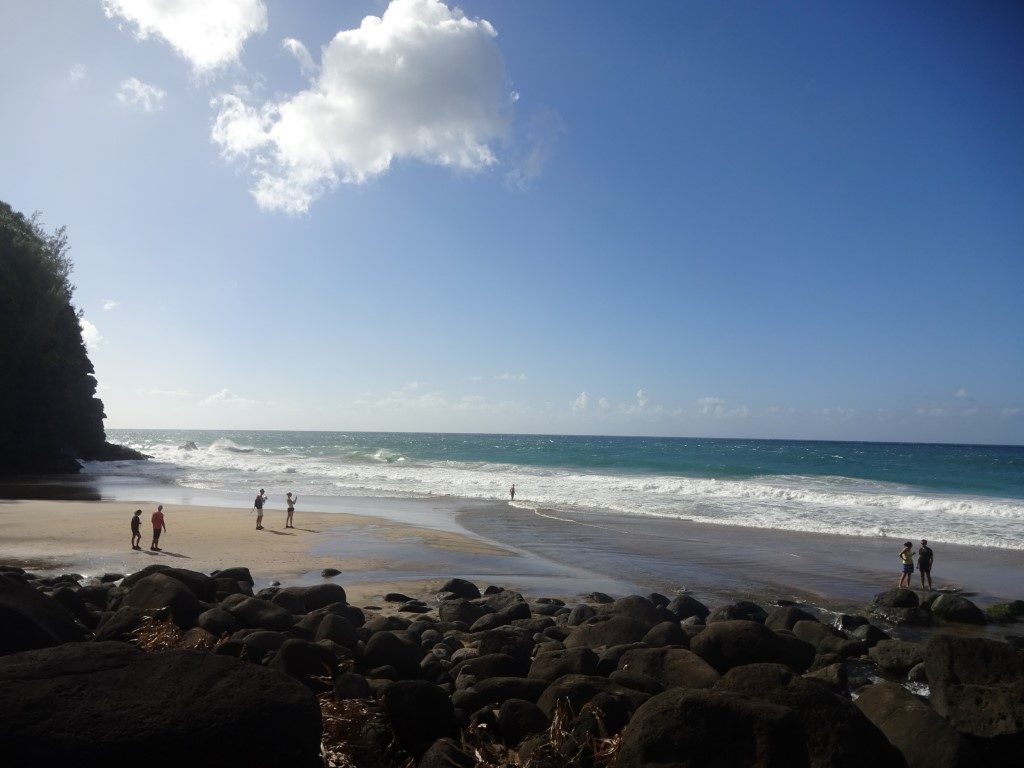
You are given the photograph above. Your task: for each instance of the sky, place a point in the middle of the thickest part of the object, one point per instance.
(784, 220)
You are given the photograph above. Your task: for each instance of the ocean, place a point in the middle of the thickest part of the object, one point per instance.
(963, 494)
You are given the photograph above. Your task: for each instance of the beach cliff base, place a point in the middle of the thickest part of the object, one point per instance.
(169, 666)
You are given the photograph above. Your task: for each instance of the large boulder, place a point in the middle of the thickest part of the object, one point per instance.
(836, 732)
(490, 665)
(637, 608)
(318, 595)
(604, 631)
(420, 713)
(254, 613)
(684, 728)
(728, 644)
(160, 591)
(577, 690)
(518, 718)
(786, 616)
(915, 729)
(740, 610)
(387, 649)
(199, 584)
(827, 639)
(672, 667)
(239, 573)
(956, 609)
(460, 609)
(106, 704)
(551, 665)
(900, 606)
(977, 685)
(897, 657)
(461, 588)
(30, 619)
(684, 607)
(496, 690)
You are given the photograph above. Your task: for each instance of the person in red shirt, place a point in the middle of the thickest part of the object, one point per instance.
(159, 525)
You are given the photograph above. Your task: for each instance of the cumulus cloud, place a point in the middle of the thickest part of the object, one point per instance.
(603, 404)
(301, 54)
(421, 82)
(76, 73)
(110, 304)
(135, 93)
(716, 408)
(90, 334)
(227, 397)
(208, 34)
(164, 393)
(511, 377)
(961, 393)
(581, 403)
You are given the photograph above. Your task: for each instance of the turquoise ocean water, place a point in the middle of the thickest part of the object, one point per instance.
(954, 493)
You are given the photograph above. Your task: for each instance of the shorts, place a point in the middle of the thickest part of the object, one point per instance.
(908, 569)
(156, 534)
(925, 568)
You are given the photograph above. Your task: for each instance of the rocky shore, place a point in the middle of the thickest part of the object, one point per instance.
(168, 666)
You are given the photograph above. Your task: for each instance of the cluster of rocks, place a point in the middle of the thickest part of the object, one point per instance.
(637, 681)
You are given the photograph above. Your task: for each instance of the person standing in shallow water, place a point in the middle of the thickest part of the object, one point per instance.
(159, 525)
(137, 529)
(925, 556)
(290, 501)
(907, 558)
(261, 499)
(512, 492)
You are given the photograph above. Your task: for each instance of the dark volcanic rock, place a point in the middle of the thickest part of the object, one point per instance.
(672, 667)
(666, 633)
(836, 732)
(289, 601)
(351, 685)
(896, 657)
(330, 573)
(607, 631)
(551, 665)
(199, 584)
(579, 689)
(518, 719)
(339, 629)
(29, 619)
(900, 606)
(785, 617)
(460, 609)
(598, 597)
(637, 681)
(685, 606)
(235, 574)
(217, 621)
(388, 649)
(977, 685)
(318, 595)
(868, 634)
(107, 704)
(741, 609)
(684, 729)
(915, 729)
(957, 609)
(305, 661)
(497, 690)
(446, 753)
(254, 613)
(638, 608)
(158, 591)
(490, 665)
(728, 644)
(828, 639)
(461, 588)
(580, 614)
(120, 624)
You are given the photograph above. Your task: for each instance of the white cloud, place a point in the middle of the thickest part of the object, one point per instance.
(164, 393)
(1010, 413)
(961, 393)
(135, 93)
(209, 33)
(76, 73)
(603, 404)
(420, 82)
(511, 377)
(642, 399)
(838, 413)
(226, 397)
(476, 378)
(301, 54)
(90, 334)
(109, 304)
(581, 403)
(715, 407)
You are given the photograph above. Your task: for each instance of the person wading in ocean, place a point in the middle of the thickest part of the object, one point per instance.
(512, 491)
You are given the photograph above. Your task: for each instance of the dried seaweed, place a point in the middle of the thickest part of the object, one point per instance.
(154, 634)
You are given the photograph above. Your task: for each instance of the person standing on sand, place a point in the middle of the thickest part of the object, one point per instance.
(512, 491)
(159, 525)
(290, 501)
(257, 505)
(925, 556)
(907, 558)
(137, 529)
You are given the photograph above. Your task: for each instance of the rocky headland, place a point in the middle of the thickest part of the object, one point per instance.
(168, 666)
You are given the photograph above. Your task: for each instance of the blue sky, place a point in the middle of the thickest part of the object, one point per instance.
(715, 219)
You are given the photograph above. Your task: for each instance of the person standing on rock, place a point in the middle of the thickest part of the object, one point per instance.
(512, 491)
(907, 558)
(925, 556)
(261, 499)
(137, 529)
(159, 525)
(290, 501)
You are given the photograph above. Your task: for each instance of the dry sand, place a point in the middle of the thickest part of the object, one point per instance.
(94, 537)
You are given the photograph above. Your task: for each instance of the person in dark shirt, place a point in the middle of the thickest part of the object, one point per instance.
(261, 499)
(925, 556)
(136, 529)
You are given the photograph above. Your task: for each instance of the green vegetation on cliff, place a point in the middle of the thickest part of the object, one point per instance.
(49, 413)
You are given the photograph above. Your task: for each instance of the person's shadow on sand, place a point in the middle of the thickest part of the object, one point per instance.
(307, 530)
(169, 554)
(278, 533)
